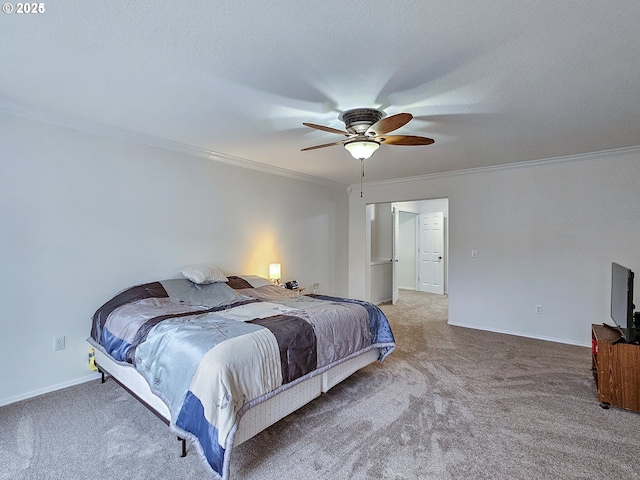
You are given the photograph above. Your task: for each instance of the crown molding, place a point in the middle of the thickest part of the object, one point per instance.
(544, 162)
(139, 138)
(119, 133)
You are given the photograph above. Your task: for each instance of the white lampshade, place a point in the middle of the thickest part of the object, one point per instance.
(274, 271)
(362, 149)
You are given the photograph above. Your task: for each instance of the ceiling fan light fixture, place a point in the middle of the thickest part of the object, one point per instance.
(361, 149)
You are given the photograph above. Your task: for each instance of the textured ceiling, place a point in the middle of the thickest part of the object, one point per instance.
(491, 81)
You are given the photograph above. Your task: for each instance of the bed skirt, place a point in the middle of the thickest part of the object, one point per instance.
(261, 414)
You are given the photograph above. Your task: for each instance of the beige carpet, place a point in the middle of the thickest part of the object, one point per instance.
(449, 403)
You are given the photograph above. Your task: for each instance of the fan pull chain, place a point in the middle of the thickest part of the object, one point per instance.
(361, 176)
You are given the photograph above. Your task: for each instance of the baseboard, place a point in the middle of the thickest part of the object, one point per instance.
(49, 389)
(520, 334)
(381, 301)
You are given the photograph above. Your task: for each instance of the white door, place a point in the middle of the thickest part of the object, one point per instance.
(394, 255)
(432, 252)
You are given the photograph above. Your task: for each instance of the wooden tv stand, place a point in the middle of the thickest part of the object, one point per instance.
(616, 369)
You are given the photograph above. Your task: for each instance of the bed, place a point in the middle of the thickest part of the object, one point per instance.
(220, 358)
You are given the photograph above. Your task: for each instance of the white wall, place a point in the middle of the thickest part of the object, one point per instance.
(546, 234)
(381, 232)
(86, 215)
(380, 281)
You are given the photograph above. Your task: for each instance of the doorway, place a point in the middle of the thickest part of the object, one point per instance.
(415, 245)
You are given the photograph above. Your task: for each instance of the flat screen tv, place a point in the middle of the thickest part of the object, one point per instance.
(622, 302)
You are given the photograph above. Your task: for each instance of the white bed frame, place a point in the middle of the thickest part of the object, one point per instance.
(256, 418)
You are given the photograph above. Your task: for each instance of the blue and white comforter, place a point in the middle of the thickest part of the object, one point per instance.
(207, 350)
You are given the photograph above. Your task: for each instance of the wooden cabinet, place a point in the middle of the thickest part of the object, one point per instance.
(616, 369)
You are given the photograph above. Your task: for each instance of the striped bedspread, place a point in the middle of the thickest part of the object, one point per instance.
(207, 350)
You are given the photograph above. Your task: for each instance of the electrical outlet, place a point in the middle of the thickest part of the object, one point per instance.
(539, 309)
(58, 343)
(474, 253)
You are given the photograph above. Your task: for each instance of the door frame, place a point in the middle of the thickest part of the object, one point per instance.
(367, 249)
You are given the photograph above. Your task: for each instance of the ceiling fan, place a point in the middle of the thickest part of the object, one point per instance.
(366, 129)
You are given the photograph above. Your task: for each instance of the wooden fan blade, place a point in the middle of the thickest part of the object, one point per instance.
(390, 124)
(322, 146)
(404, 140)
(326, 129)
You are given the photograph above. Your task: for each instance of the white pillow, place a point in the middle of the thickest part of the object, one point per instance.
(201, 274)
